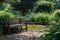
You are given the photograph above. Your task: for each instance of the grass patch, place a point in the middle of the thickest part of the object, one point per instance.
(34, 27)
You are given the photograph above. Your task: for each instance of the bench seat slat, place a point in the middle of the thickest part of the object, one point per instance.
(15, 25)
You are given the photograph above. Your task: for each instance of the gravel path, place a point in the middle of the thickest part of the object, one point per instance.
(23, 36)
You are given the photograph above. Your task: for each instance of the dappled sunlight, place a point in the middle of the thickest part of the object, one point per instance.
(35, 27)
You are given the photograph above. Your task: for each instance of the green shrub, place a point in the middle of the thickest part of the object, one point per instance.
(57, 15)
(44, 6)
(54, 33)
(4, 14)
(57, 12)
(58, 4)
(47, 0)
(43, 18)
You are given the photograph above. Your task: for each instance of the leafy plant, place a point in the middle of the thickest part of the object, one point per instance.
(57, 15)
(54, 33)
(44, 6)
(5, 13)
(47, 0)
(57, 12)
(43, 18)
(54, 29)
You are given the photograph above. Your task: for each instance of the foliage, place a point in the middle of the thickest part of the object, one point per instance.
(28, 16)
(29, 0)
(57, 12)
(10, 0)
(54, 29)
(54, 33)
(43, 6)
(47, 0)
(23, 6)
(43, 18)
(57, 4)
(5, 13)
(57, 15)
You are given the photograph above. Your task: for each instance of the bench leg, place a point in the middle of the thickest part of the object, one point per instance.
(21, 28)
(1, 33)
(26, 26)
(9, 30)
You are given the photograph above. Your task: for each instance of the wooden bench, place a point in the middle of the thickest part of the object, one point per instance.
(11, 23)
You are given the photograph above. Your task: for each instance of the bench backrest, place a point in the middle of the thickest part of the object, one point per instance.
(12, 21)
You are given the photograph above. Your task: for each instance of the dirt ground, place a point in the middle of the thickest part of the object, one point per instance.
(23, 36)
